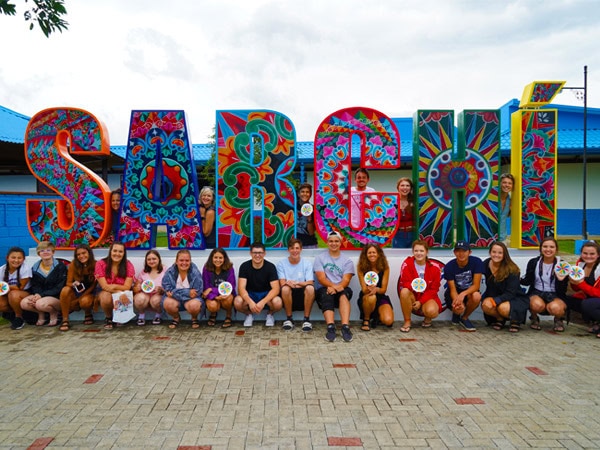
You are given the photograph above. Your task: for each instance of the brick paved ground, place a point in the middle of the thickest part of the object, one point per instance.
(270, 389)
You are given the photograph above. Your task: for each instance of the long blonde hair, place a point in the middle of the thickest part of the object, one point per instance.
(507, 265)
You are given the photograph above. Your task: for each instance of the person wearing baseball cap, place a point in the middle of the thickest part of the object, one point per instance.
(463, 275)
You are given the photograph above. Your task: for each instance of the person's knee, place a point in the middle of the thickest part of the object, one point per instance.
(286, 293)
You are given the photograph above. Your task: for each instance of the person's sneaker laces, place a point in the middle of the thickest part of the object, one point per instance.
(346, 333)
(467, 325)
(288, 325)
(306, 327)
(270, 321)
(330, 335)
(249, 320)
(455, 319)
(17, 323)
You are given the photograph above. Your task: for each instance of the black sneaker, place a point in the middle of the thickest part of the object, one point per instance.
(17, 323)
(330, 335)
(455, 319)
(346, 333)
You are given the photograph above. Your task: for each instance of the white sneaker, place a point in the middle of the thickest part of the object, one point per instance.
(249, 320)
(288, 325)
(270, 320)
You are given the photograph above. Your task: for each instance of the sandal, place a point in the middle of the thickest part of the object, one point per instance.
(212, 320)
(405, 328)
(514, 327)
(594, 329)
(156, 321)
(88, 320)
(535, 323)
(195, 324)
(65, 326)
(108, 323)
(53, 322)
(226, 322)
(498, 325)
(366, 325)
(40, 323)
(426, 324)
(559, 326)
(174, 324)
(141, 322)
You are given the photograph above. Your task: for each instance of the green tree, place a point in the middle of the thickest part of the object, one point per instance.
(47, 13)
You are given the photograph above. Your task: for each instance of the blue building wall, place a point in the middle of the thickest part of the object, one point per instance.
(13, 224)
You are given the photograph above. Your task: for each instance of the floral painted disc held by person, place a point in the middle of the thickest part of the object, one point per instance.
(225, 288)
(4, 288)
(148, 286)
(307, 209)
(562, 269)
(577, 273)
(419, 285)
(371, 278)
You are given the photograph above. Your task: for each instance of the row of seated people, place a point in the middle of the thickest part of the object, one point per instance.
(51, 288)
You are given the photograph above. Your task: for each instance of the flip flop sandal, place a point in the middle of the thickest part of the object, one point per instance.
(108, 323)
(195, 324)
(535, 324)
(212, 320)
(559, 326)
(498, 325)
(366, 325)
(174, 324)
(88, 320)
(514, 327)
(65, 326)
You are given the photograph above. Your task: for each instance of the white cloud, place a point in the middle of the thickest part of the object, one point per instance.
(305, 59)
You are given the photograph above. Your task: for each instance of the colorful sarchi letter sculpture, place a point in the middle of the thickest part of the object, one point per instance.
(457, 190)
(160, 184)
(255, 200)
(82, 215)
(379, 149)
(533, 161)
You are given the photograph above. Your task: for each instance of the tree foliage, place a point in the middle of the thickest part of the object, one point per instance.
(47, 13)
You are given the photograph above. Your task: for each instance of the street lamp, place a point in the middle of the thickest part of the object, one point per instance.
(584, 88)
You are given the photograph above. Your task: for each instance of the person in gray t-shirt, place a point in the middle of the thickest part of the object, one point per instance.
(334, 271)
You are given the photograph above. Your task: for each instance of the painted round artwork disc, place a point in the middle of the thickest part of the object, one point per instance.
(577, 273)
(419, 285)
(148, 286)
(307, 209)
(371, 278)
(562, 268)
(225, 288)
(4, 288)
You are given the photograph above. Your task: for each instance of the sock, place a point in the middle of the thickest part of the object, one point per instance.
(142, 316)
(306, 319)
(289, 318)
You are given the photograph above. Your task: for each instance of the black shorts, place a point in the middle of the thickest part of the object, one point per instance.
(329, 302)
(546, 296)
(298, 299)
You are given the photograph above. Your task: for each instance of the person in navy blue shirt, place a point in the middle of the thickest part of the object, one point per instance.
(463, 275)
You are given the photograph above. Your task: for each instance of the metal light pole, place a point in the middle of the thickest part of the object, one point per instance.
(584, 232)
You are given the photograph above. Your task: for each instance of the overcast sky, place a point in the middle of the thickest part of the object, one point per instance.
(303, 58)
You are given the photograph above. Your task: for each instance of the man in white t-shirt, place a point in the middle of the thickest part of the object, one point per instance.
(361, 178)
(297, 285)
